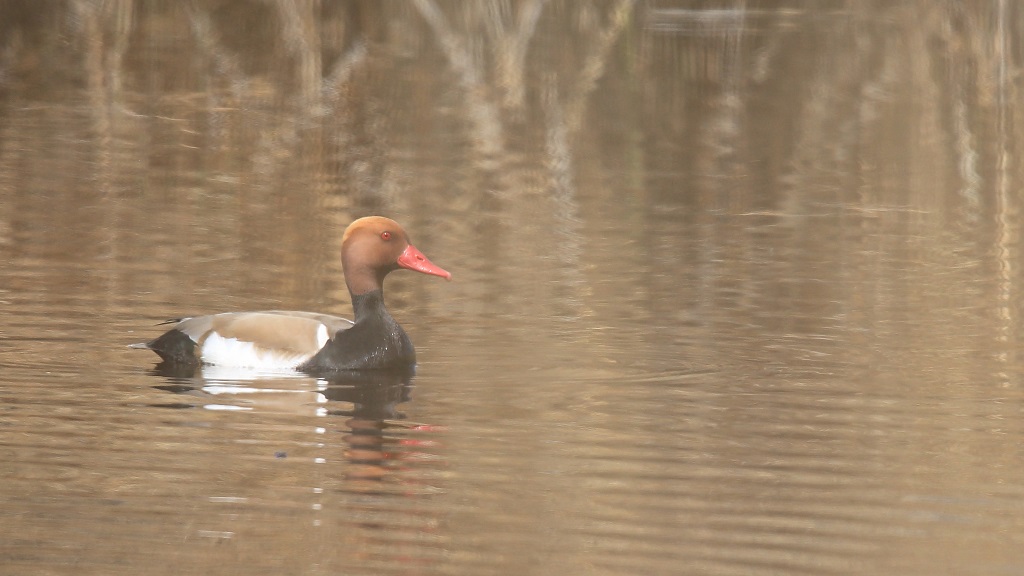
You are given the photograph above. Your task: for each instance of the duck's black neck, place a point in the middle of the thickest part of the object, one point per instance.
(375, 341)
(369, 307)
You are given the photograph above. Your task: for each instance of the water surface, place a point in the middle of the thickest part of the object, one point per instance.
(736, 289)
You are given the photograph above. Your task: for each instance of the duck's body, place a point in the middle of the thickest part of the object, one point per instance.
(276, 339)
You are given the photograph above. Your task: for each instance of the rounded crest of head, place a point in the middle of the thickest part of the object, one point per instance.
(370, 249)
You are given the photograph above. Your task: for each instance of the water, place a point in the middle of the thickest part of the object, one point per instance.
(736, 291)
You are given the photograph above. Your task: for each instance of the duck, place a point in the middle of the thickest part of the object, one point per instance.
(371, 248)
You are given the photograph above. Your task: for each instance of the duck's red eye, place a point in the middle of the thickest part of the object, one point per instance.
(385, 235)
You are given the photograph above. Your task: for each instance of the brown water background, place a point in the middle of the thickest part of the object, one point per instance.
(737, 286)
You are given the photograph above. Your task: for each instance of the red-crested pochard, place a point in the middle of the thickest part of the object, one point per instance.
(370, 248)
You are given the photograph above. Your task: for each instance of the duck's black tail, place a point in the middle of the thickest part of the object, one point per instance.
(173, 346)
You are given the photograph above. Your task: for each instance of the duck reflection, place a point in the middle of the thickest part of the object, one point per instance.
(375, 446)
(376, 437)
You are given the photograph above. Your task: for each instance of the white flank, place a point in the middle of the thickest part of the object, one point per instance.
(239, 354)
(322, 336)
